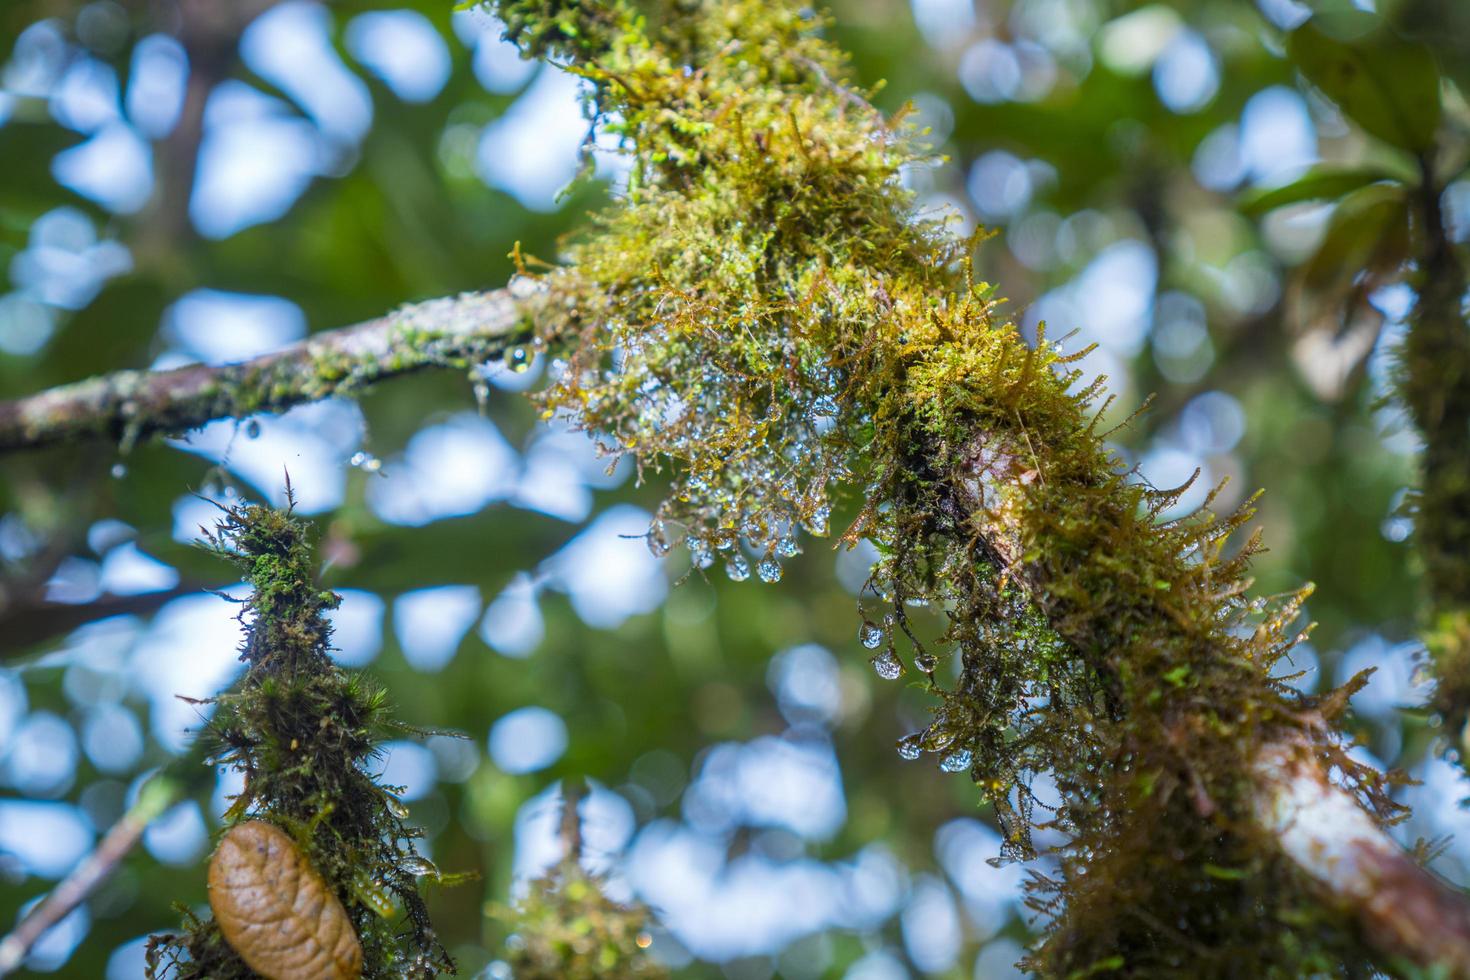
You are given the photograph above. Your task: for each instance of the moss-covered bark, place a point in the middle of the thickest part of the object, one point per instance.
(768, 317)
(461, 331)
(304, 733)
(1434, 380)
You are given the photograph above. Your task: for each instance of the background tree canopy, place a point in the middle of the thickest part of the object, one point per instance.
(1195, 186)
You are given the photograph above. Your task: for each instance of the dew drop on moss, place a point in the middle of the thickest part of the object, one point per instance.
(420, 866)
(908, 747)
(699, 552)
(658, 540)
(519, 359)
(787, 547)
(888, 666)
(769, 570)
(737, 568)
(926, 662)
(957, 761)
(870, 635)
(395, 806)
(816, 524)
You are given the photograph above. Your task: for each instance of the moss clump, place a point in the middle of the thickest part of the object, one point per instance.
(303, 731)
(566, 928)
(766, 317)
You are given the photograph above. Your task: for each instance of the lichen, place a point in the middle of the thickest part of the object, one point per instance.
(304, 733)
(766, 319)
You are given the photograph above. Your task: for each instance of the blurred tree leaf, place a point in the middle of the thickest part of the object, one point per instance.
(1387, 85)
(1318, 184)
(1368, 237)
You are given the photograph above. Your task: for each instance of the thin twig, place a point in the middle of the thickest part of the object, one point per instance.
(157, 795)
(573, 792)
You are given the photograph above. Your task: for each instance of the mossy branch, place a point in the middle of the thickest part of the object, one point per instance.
(1434, 381)
(303, 733)
(460, 331)
(774, 323)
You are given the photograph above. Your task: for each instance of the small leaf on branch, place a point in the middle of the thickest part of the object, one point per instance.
(1317, 184)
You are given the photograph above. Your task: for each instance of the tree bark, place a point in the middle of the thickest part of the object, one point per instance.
(1403, 910)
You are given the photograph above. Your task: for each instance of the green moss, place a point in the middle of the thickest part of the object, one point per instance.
(767, 321)
(1434, 383)
(304, 732)
(566, 928)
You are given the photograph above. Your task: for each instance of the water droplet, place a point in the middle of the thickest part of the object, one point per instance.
(658, 539)
(725, 539)
(119, 470)
(737, 568)
(252, 429)
(366, 462)
(887, 665)
(957, 761)
(395, 806)
(926, 662)
(908, 747)
(519, 359)
(769, 570)
(699, 552)
(870, 635)
(787, 547)
(421, 867)
(816, 524)
(938, 737)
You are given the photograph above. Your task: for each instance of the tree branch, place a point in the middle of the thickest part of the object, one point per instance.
(128, 405)
(1287, 801)
(1403, 910)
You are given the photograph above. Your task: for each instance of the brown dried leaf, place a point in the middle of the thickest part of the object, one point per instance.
(276, 911)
